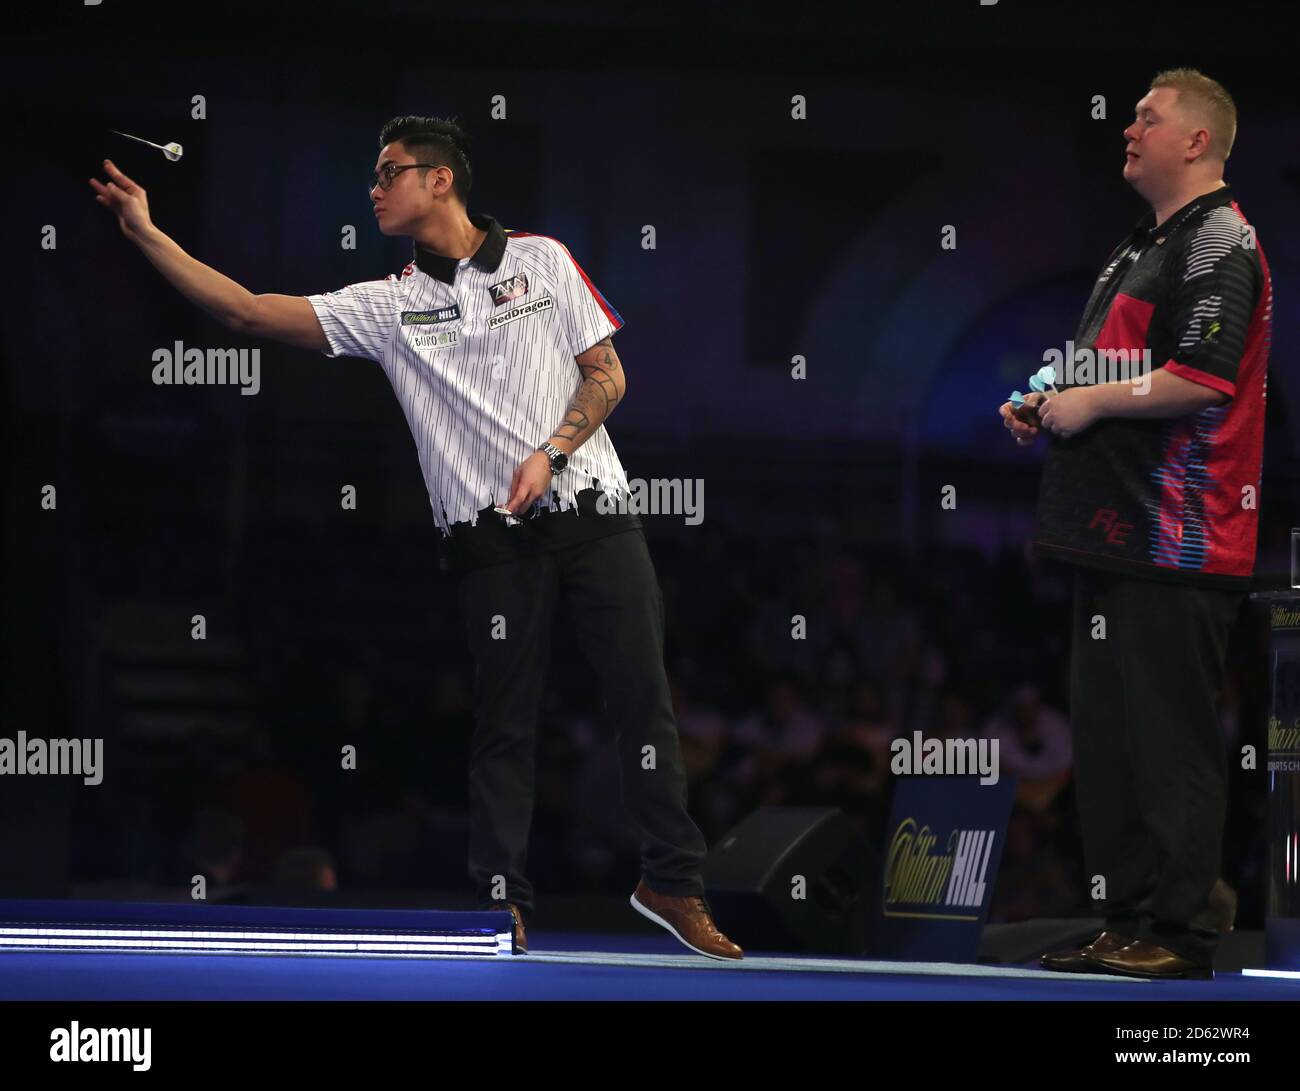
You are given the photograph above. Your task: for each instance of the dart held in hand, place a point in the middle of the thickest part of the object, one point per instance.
(1025, 411)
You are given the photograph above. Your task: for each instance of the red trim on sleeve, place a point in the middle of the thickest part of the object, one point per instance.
(610, 313)
(1195, 375)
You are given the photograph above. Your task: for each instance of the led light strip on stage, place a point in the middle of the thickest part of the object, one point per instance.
(250, 943)
(198, 929)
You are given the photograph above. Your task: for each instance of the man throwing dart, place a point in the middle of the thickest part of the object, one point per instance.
(498, 349)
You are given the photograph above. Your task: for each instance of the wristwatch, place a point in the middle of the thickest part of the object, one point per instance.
(559, 460)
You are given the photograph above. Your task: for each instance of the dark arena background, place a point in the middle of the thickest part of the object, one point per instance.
(280, 683)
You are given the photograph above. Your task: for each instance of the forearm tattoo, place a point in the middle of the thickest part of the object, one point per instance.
(595, 398)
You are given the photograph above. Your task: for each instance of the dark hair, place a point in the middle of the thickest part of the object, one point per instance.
(436, 140)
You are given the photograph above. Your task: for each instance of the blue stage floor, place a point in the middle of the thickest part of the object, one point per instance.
(570, 966)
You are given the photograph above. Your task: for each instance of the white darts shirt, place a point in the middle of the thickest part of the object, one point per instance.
(480, 353)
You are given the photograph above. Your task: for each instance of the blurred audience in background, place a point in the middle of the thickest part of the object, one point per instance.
(787, 692)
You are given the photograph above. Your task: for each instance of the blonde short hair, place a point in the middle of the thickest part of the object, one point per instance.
(1207, 101)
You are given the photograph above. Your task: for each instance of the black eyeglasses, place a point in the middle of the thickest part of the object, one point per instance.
(385, 176)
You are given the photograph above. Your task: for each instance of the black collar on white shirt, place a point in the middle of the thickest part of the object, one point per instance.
(488, 256)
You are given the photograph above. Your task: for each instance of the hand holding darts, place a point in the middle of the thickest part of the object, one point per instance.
(1022, 408)
(1020, 411)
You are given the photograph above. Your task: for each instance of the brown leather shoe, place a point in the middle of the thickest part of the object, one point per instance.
(521, 940)
(688, 919)
(1076, 960)
(1141, 959)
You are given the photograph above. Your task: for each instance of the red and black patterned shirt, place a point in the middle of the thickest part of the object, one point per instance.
(1173, 499)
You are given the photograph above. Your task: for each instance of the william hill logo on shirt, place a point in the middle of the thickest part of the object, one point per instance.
(508, 289)
(429, 318)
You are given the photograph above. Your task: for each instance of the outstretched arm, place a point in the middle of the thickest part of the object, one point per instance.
(290, 319)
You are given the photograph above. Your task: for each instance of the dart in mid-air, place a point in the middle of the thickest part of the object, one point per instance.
(171, 151)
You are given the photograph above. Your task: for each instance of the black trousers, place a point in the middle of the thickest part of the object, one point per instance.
(616, 604)
(1149, 755)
